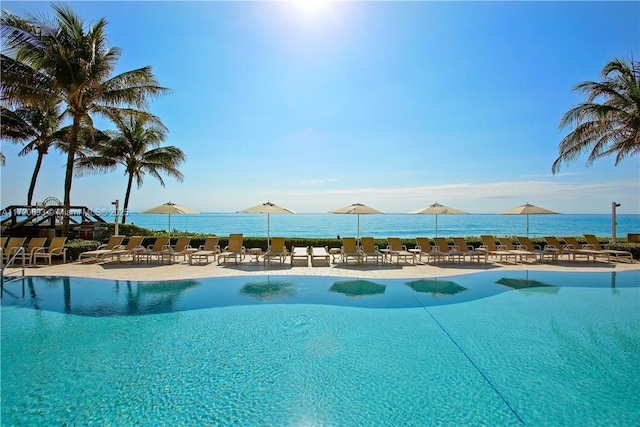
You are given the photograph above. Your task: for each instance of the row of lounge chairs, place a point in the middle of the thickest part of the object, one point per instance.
(502, 249)
(161, 250)
(365, 251)
(13, 250)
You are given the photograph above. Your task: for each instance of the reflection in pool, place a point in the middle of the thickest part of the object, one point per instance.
(98, 297)
(494, 348)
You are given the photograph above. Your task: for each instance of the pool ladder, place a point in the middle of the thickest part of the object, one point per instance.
(19, 251)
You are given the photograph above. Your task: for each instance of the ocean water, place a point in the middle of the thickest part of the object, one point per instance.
(382, 226)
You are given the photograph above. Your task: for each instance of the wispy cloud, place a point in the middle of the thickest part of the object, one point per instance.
(550, 175)
(480, 197)
(317, 181)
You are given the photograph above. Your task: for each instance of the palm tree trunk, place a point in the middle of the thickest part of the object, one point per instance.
(34, 177)
(68, 176)
(126, 198)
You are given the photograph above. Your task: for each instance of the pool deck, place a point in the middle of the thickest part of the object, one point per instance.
(183, 270)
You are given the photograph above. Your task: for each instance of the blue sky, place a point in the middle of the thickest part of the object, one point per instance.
(393, 104)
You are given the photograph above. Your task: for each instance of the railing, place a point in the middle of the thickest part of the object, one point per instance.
(20, 250)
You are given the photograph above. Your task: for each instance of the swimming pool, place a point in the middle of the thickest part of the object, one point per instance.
(492, 348)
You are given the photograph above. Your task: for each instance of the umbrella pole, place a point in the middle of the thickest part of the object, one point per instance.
(358, 228)
(527, 225)
(169, 227)
(268, 229)
(436, 225)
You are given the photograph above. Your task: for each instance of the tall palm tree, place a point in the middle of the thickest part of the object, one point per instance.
(608, 122)
(76, 67)
(136, 146)
(38, 128)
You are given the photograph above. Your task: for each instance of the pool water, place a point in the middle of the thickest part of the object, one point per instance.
(493, 348)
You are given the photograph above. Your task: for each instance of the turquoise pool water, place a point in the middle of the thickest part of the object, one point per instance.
(494, 348)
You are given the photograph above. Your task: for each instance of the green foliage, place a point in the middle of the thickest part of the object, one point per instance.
(608, 121)
(77, 246)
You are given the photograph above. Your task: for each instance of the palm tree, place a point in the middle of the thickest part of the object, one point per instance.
(39, 128)
(609, 127)
(75, 66)
(136, 146)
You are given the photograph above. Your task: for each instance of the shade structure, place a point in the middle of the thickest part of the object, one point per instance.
(357, 288)
(170, 208)
(357, 209)
(528, 209)
(267, 208)
(438, 209)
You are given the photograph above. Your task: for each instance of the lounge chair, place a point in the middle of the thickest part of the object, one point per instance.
(564, 249)
(398, 250)
(55, 248)
(524, 254)
(320, 252)
(134, 244)
(96, 255)
(349, 250)
(160, 244)
(423, 248)
(547, 253)
(462, 247)
(617, 255)
(492, 249)
(13, 245)
(182, 248)
(299, 253)
(445, 251)
(573, 243)
(234, 250)
(369, 249)
(210, 248)
(34, 244)
(276, 250)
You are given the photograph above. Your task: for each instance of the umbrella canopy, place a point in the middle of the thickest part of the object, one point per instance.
(267, 208)
(528, 209)
(170, 208)
(436, 287)
(357, 209)
(357, 288)
(438, 209)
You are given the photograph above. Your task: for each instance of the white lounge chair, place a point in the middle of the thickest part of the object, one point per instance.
(234, 250)
(299, 253)
(617, 255)
(97, 254)
(55, 248)
(277, 250)
(210, 248)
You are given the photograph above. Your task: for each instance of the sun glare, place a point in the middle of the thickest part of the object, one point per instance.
(311, 7)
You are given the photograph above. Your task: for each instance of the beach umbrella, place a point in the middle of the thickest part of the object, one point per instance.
(528, 209)
(267, 208)
(170, 208)
(438, 209)
(357, 209)
(436, 287)
(357, 288)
